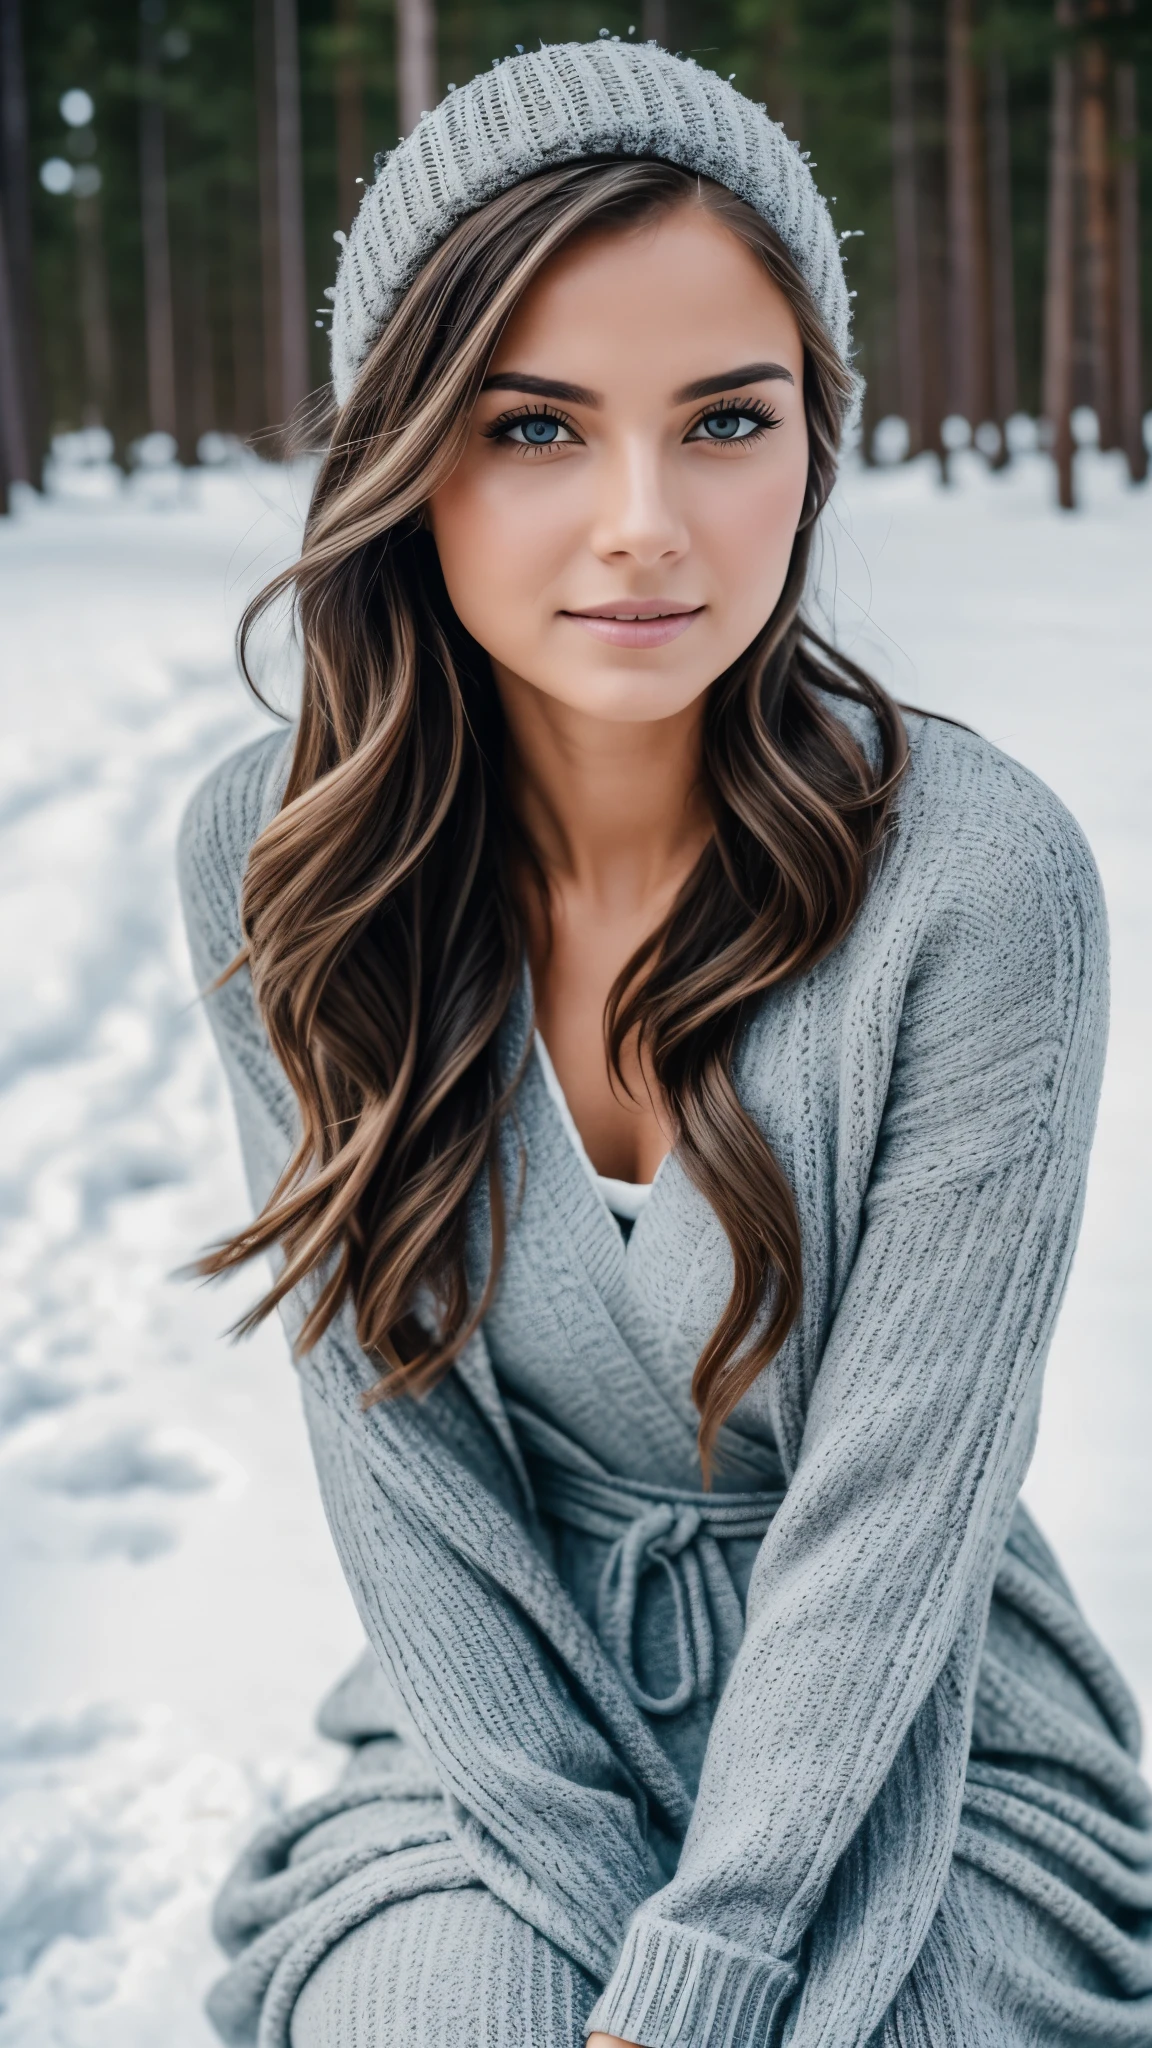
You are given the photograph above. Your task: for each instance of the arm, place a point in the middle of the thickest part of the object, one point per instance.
(831, 1785)
(549, 1771)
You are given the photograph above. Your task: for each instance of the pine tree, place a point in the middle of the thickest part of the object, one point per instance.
(15, 465)
(1059, 302)
(1098, 268)
(908, 108)
(351, 162)
(1129, 425)
(905, 216)
(415, 60)
(159, 326)
(654, 21)
(1001, 264)
(18, 335)
(967, 234)
(286, 368)
(95, 315)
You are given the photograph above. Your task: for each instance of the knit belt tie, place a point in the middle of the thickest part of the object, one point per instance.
(650, 1529)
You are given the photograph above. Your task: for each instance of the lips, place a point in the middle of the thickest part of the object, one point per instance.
(652, 624)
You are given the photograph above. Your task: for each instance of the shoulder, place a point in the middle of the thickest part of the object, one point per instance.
(222, 819)
(1007, 972)
(992, 836)
(974, 833)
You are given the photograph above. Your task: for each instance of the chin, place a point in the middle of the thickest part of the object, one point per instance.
(630, 702)
(634, 692)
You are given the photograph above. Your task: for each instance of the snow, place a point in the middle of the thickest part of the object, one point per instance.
(169, 1602)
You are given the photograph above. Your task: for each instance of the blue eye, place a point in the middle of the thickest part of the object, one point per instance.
(532, 430)
(730, 425)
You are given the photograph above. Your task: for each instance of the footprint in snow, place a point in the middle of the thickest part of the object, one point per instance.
(129, 1459)
(127, 1465)
(58, 1735)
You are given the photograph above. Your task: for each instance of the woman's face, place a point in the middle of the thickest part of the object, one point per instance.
(620, 524)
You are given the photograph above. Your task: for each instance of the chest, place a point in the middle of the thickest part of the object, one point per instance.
(598, 1337)
(622, 1120)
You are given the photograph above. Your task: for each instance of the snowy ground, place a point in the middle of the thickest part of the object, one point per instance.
(169, 1606)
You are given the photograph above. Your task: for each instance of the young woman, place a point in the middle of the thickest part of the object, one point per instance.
(666, 1076)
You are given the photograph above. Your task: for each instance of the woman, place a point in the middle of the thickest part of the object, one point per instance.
(666, 1077)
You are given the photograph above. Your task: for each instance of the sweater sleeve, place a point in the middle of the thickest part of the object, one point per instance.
(847, 1716)
(553, 1781)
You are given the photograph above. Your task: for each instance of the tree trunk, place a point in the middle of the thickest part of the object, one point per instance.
(415, 60)
(294, 378)
(14, 464)
(273, 407)
(16, 199)
(654, 21)
(350, 157)
(1099, 279)
(1061, 252)
(909, 339)
(967, 275)
(95, 324)
(159, 327)
(1130, 424)
(281, 212)
(199, 410)
(246, 305)
(1000, 256)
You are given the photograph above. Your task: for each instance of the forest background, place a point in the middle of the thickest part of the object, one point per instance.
(173, 173)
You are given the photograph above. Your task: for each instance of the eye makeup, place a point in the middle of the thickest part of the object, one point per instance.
(532, 428)
(730, 416)
(535, 428)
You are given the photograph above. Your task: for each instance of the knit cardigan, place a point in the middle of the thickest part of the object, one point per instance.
(930, 1091)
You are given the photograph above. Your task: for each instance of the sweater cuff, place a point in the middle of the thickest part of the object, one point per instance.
(673, 1988)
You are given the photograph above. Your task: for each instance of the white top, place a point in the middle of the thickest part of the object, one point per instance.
(625, 1198)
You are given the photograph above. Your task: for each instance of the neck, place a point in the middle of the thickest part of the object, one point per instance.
(616, 812)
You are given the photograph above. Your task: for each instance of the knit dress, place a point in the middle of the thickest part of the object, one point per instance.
(824, 1756)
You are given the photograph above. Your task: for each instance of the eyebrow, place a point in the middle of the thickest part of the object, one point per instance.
(577, 394)
(748, 373)
(541, 387)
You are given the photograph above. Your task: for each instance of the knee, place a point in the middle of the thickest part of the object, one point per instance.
(455, 1967)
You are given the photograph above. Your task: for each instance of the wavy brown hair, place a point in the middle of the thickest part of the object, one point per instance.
(383, 915)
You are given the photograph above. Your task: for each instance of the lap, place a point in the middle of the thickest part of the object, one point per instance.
(358, 1923)
(444, 1970)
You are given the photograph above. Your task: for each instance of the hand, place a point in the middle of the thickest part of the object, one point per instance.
(607, 2041)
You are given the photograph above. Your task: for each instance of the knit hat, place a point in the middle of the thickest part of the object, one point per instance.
(550, 106)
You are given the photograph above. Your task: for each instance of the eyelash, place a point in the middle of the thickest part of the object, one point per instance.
(744, 408)
(498, 429)
(741, 408)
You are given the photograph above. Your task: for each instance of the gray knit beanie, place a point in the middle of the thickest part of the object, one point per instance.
(550, 106)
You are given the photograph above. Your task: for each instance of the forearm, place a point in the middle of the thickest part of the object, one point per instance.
(550, 1810)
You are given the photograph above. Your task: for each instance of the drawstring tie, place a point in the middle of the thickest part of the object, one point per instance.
(651, 1529)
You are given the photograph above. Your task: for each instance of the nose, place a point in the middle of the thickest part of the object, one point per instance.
(636, 517)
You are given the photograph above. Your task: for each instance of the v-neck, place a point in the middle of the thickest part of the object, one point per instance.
(595, 1331)
(625, 1199)
(581, 1328)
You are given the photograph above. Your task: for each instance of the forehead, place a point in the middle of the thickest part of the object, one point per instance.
(669, 299)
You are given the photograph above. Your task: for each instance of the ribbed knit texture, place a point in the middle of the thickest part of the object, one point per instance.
(902, 1824)
(550, 106)
(444, 1971)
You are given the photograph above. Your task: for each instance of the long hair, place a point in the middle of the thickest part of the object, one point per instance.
(381, 919)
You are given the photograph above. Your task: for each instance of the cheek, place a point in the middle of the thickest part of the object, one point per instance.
(499, 545)
(747, 524)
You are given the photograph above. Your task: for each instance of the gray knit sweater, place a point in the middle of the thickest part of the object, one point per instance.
(930, 1091)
